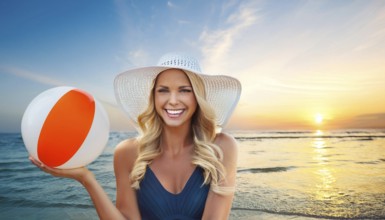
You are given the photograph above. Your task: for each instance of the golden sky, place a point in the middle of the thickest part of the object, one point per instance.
(295, 59)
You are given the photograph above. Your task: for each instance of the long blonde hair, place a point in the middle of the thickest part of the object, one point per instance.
(207, 155)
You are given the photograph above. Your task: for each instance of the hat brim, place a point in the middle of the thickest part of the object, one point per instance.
(133, 87)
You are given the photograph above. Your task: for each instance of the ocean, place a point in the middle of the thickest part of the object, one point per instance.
(281, 175)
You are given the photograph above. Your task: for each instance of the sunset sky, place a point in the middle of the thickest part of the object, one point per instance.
(302, 64)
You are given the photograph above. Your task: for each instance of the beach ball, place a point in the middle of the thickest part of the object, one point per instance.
(65, 127)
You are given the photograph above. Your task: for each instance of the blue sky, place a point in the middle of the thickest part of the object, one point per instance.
(295, 59)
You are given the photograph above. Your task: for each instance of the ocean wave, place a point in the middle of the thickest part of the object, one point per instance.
(297, 214)
(17, 169)
(367, 162)
(22, 202)
(266, 169)
(357, 137)
(360, 135)
(35, 177)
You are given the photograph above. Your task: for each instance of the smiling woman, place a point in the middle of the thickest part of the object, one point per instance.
(180, 166)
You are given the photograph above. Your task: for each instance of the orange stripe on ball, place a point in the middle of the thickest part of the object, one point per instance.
(65, 128)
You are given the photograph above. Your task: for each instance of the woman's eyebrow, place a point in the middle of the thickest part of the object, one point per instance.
(180, 87)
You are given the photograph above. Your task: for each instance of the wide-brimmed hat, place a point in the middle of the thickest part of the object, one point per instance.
(133, 87)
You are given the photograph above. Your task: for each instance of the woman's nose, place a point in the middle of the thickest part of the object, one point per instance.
(173, 98)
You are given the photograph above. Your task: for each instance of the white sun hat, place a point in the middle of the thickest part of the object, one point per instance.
(133, 87)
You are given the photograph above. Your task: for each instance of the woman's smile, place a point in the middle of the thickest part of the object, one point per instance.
(174, 113)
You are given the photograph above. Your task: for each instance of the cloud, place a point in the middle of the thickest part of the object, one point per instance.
(31, 76)
(377, 116)
(170, 4)
(133, 58)
(123, 12)
(183, 22)
(131, 19)
(375, 120)
(324, 84)
(374, 29)
(138, 57)
(217, 43)
(117, 119)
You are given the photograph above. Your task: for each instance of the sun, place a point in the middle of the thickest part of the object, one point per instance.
(318, 118)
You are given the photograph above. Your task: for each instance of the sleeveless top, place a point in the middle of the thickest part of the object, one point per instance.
(155, 202)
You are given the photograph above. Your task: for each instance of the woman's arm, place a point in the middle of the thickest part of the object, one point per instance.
(103, 205)
(124, 158)
(219, 206)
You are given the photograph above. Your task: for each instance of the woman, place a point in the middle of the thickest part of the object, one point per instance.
(179, 167)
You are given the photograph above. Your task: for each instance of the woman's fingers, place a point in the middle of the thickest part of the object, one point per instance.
(35, 162)
(40, 165)
(76, 173)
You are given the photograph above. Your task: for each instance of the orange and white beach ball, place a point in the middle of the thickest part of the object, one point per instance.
(65, 127)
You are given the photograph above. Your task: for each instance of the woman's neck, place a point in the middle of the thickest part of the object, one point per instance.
(176, 139)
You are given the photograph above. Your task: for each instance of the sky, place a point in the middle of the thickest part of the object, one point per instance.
(302, 64)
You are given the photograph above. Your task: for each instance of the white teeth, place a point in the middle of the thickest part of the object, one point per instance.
(174, 112)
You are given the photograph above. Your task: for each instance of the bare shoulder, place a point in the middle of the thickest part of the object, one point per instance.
(126, 153)
(128, 145)
(229, 146)
(227, 143)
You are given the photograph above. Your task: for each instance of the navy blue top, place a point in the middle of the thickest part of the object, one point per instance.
(155, 202)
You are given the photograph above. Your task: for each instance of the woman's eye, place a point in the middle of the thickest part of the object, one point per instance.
(185, 90)
(162, 90)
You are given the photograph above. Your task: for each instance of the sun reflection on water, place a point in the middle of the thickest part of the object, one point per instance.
(325, 174)
(319, 133)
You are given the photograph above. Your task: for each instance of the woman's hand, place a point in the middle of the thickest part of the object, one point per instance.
(79, 174)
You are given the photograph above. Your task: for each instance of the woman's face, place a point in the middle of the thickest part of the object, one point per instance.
(175, 101)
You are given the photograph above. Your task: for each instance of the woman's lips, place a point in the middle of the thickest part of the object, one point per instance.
(174, 113)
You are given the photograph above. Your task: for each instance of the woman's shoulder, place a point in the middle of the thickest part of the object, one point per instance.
(226, 142)
(130, 144)
(126, 151)
(229, 148)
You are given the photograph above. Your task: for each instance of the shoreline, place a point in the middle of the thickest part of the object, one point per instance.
(244, 214)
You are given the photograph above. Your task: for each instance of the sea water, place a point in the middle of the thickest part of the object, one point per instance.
(281, 175)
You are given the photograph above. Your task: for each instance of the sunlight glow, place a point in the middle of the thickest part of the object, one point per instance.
(319, 133)
(318, 118)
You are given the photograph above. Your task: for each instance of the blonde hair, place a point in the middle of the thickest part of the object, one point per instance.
(207, 155)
